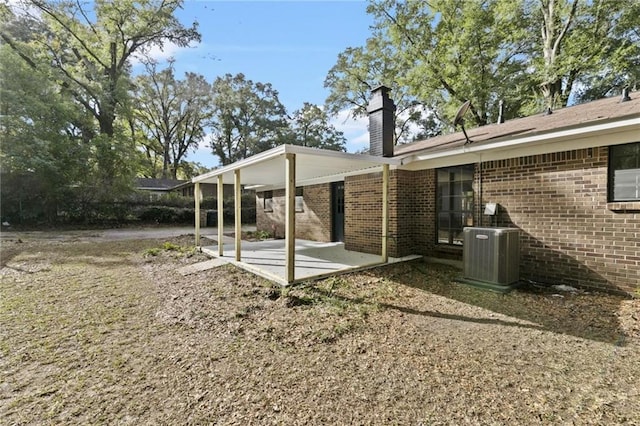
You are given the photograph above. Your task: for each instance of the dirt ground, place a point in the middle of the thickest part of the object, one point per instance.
(109, 332)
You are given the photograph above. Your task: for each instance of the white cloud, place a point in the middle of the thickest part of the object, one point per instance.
(22, 8)
(160, 54)
(356, 131)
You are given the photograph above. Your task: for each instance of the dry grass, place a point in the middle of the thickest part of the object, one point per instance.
(111, 333)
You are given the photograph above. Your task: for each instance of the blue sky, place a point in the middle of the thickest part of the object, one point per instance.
(290, 44)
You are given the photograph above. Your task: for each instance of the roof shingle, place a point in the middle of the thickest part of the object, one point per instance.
(607, 109)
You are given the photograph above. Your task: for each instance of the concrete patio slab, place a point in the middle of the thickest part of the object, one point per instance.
(313, 260)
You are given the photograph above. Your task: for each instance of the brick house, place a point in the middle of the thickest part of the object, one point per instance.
(569, 180)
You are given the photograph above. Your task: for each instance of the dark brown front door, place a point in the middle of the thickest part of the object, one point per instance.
(337, 211)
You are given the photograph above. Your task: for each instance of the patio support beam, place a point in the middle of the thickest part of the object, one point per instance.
(290, 216)
(237, 213)
(385, 212)
(196, 196)
(220, 188)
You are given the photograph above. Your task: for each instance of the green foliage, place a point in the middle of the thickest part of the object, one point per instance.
(90, 50)
(359, 70)
(154, 251)
(65, 71)
(259, 235)
(310, 127)
(171, 199)
(589, 49)
(43, 160)
(171, 248)
(171, 115)
(247, 118)
(160, 214)
(457, 51)
(532, 54)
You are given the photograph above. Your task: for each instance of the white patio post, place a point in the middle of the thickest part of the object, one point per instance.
(385, 212)
(196, 196)
(238, 213)
(220, 215)
(290, 216)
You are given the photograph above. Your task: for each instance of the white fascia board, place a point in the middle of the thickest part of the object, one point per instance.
(358, 160)
(338, 177)
(295, 149)
(263, 156)
(617, 132)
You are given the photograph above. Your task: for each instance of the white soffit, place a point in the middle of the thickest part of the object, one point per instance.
(267, 169)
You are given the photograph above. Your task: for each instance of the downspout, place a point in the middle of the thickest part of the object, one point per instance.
(220, 201)
(237, 215)
(196, 196)
(480, 190)
(385, 213)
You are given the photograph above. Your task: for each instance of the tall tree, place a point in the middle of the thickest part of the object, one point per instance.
(594, 45)
(90, 50)
(247, 118)
(310, 127)
(533, 54)
(172, 114)
(458, 51)
(359, 70)
(43, 156)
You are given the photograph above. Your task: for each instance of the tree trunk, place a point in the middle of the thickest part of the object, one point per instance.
(552, 37)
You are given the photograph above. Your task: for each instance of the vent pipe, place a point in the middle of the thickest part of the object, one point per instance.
(501, 112)
(625, 95)
(381, 111)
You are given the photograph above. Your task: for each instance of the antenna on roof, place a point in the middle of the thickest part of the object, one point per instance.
(459, 120)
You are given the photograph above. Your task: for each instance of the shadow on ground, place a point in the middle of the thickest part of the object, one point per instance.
(589, 315)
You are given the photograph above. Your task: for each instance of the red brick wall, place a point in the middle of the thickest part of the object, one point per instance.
(314, 223)
(363, 213)
(411, 200)
(423, 226)
(402, 186)
(569, 236)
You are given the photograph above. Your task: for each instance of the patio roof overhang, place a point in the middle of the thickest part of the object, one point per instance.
(288, 166)
(266, 170)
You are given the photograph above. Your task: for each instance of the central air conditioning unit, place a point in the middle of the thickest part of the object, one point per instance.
(491, 257)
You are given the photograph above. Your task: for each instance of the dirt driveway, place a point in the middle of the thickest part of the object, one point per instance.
(116, 234)
(110, 332)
